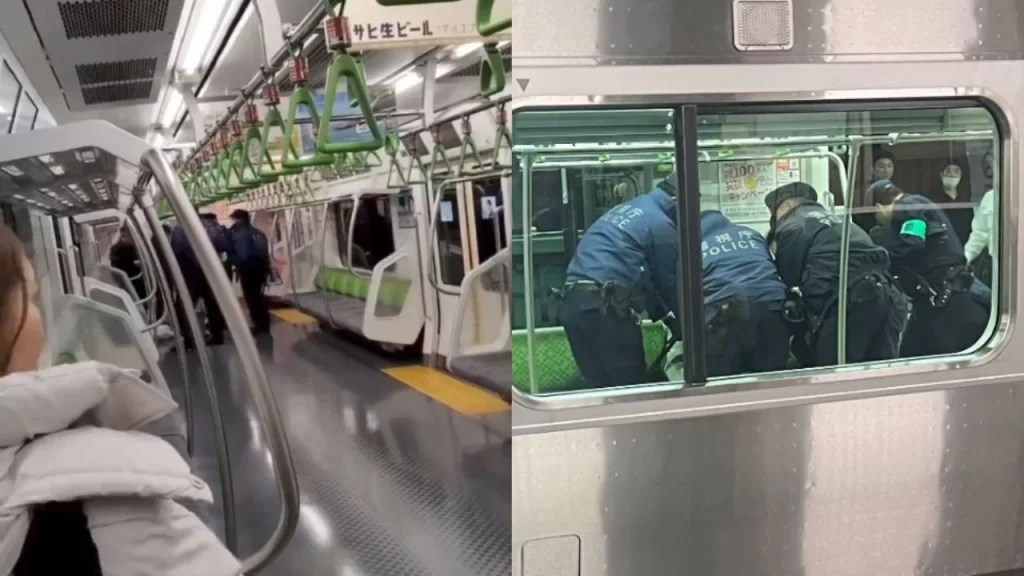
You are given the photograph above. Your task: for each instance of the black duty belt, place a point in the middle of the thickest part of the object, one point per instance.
(936, 295)
(614, 298)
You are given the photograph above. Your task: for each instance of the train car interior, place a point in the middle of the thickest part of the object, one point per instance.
(577, 173)
(367, 146)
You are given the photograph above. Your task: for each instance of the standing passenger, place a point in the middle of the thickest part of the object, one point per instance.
(624, 266)
(743, 300)
(956, 203)
(808, 243)
(196, 281)
(250, 257)
(928, 259)
(980, 246)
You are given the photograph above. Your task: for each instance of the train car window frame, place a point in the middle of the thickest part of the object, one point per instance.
(807, 384)
(20, 125)
(7, 76)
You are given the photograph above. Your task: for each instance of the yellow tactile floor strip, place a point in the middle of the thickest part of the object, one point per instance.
(454, 393)
(293, 316)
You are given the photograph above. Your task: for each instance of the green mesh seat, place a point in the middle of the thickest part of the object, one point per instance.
(341, 296)
(555, 367)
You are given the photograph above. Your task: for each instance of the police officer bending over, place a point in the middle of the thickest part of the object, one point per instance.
(807, 244)
(928, 260)
(743, 300)
(624, 266)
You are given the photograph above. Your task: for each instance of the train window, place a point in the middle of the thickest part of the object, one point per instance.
(372, 235)
(589, 307)
(10, 92)
(488, 212)
(830, 236)
(25, 118)
(450, 252)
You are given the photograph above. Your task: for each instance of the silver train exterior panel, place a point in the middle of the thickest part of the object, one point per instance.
(908, 469)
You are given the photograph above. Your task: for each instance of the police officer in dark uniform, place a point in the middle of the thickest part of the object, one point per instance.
(928, 260)
(250, 257)
(195, 280)
(743, 300)
(624, 267)
(808, 242)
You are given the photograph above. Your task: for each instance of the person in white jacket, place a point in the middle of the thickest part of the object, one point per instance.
(981, 229)
(68, 435)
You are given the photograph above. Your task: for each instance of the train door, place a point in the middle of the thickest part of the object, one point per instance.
(487, 318)
(469, 228)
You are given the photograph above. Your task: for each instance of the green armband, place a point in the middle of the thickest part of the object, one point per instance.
(914, 228)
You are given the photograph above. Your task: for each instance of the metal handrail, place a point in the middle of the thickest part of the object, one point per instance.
(323, 264)
(179, 339)
(669, 146)
(500, 258)
(145, 203)
(147, 273)
(67, 267)
(277, 440)
(309, 25)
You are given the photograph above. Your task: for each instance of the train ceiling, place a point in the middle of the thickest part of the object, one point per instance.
(107, 52)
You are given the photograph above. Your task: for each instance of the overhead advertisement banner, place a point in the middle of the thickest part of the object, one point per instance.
(372, 26)
(745, 185)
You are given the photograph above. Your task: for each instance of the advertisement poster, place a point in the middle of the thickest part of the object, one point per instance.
(406, 211)
(745, 185)
(342, 131)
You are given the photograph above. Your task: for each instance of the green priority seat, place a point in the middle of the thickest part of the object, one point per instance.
(554, 366)
(393, 289)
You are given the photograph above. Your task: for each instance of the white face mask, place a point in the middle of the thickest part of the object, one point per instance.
(950, 182)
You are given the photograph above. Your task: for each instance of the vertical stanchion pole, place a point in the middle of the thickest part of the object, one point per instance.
(263, 396)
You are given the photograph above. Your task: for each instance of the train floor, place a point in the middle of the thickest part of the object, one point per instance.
(393, 482)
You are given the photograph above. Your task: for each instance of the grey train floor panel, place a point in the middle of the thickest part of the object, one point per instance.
(393, 483)
(492, 371)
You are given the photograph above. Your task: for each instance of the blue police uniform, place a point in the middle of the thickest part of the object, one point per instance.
(195, 280)
(743, 300)
(624, 265)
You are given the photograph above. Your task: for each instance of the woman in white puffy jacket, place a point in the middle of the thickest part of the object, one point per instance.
(81, 492)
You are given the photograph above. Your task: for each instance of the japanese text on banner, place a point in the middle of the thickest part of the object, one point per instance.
(745, 185)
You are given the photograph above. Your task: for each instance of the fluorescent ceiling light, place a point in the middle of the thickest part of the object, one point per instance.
(406, 81)
(173, 104)
(466, 49)
(443, 70)
(212, 18)
(246, 16)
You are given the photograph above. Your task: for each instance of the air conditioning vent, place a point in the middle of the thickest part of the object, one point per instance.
(97, 18)
(122, 71)
(109, 93)
(762, 24)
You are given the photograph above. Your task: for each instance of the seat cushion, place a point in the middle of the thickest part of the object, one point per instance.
(492, 371)
(555, 367)
(347, 312)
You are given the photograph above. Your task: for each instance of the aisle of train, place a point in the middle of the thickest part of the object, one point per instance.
(404, 474)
